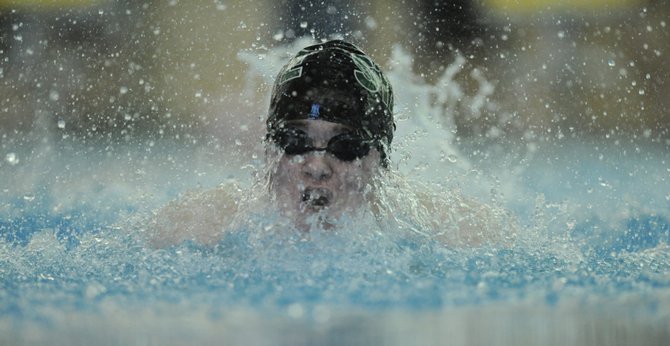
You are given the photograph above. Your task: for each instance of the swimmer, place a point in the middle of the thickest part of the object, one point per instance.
(329, 130)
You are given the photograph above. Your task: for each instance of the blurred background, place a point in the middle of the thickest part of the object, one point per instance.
(108, 73)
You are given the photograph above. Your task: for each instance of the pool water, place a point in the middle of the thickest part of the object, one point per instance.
(590, 264)
(592, 255)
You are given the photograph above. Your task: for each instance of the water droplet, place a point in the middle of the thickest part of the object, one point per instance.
(61, 123)
(12, 159)
(641, 92)
(611, 62)
(278, 36)
(54, 95)
(298, 159)
(303, 25)
(123, 90)
(370, 22)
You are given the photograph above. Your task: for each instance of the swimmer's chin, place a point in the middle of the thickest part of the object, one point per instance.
(315, 217)
(317, 223)
(311, 207)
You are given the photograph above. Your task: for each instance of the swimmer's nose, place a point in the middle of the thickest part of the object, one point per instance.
(317, 167)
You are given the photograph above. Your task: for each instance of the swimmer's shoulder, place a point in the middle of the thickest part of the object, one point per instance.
(459, 219)
(201, 216)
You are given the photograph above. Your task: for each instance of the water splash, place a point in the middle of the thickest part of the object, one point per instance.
(563, 261)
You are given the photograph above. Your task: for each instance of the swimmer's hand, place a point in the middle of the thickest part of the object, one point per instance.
(201, 217)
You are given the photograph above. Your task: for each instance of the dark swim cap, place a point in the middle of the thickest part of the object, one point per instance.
(335, 81)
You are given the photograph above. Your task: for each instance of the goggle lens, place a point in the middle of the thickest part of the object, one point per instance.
(345, 146)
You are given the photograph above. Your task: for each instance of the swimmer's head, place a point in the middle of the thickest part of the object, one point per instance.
(335, 82)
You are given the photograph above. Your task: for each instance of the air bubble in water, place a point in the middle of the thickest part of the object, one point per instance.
(12, 159)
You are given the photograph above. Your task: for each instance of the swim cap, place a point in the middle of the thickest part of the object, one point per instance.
(335, 81)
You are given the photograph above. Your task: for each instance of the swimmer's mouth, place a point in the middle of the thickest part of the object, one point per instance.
(317, 198)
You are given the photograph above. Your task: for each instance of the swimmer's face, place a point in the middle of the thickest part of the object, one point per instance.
(321, 185)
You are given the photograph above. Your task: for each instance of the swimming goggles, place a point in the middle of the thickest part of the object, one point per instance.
(345, 146)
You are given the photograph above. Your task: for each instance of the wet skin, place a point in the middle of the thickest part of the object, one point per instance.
(317, 187)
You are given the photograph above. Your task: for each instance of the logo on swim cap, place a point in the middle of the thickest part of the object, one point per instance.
(369, 76)
(314, 113)
(290, 74)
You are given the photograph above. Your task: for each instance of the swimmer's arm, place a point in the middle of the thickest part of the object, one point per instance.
(201, 217)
